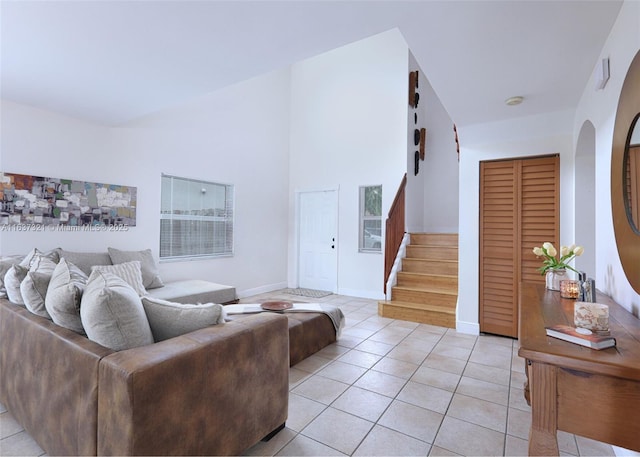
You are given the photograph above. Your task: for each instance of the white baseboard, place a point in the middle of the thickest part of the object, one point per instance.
(471, 328)
(371, 294)
(261, 289)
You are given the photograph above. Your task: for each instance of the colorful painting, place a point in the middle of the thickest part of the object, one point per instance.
(53, 201)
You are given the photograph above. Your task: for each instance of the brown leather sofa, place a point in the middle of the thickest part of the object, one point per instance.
(308, 333)
(215, 391)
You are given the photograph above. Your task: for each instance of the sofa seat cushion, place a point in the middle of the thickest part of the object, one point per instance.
(194, 291)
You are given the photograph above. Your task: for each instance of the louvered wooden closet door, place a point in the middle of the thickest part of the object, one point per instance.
(519, 209)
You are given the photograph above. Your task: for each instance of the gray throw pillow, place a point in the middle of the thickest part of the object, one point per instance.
(12, 280)
(35, 254)
(34, 286)
(85, 260)
(34, 290)
(64, 294)
(7, 262)
(168, 319)
(112, 313)
(150, 275)
(129, 271)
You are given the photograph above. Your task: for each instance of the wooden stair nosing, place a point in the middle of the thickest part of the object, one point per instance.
(420, 289)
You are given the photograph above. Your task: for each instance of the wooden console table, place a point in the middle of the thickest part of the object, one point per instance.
(576, 389)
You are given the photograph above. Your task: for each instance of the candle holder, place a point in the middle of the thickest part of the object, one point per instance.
(569, 289)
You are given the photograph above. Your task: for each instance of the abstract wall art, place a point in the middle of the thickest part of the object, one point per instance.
(46, 201)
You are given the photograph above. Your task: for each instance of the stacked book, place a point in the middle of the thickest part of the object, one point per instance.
(581, 336)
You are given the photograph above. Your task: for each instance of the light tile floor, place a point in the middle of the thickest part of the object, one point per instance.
(391, 387)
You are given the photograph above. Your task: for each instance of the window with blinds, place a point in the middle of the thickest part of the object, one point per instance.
(196, 218)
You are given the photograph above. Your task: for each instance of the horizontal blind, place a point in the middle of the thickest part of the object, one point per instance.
(196, 218)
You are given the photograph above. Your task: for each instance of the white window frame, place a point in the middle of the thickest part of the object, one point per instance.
(205, 220)
(373, 242)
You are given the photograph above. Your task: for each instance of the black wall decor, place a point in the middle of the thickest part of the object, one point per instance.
(416, 162)
(455, 133)
(419, 134)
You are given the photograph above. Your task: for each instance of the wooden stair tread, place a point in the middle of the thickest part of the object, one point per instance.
(416, 273)
(427, 285)
(421, 307)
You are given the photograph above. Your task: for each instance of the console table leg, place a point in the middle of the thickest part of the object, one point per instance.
(544, 413)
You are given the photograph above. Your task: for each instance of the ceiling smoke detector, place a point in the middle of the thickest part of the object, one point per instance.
(514, 100)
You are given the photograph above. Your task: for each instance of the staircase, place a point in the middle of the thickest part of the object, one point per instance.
(427, 288)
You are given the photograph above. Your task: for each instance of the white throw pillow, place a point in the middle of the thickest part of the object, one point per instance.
(129, 271)
(34, 286)
(64, 295)
(112, 313)
(168, 319)
(150, 275)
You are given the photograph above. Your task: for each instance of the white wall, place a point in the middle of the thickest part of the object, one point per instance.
(440, 169)
(348, 129)
(238, 136)
(432, 195)
(42, 143)
(599, 107)
(585, 192)
(521, 137)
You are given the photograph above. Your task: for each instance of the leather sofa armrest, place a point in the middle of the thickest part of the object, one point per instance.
(49, 381)
(215, 391)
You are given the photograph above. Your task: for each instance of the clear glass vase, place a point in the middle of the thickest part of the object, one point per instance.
(553, 278)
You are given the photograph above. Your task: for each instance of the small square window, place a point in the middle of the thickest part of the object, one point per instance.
(370, 239)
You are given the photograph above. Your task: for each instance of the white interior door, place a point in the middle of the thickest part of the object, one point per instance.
(318, 247)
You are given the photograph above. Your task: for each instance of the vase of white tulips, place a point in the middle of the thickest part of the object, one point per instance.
(553, 267)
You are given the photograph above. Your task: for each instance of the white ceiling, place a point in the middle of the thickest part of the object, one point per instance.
(113, 61)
